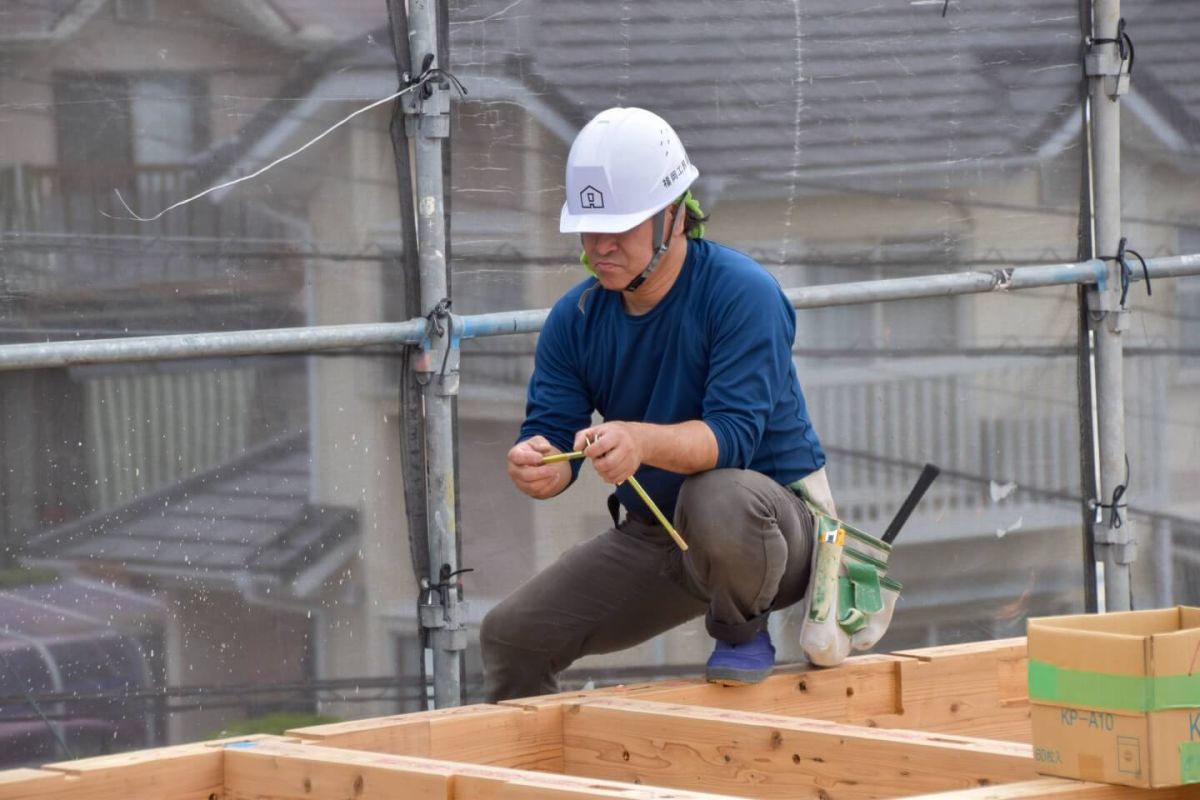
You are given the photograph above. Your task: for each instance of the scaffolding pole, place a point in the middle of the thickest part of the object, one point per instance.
(427, 120)
(1116, 548)
(319, 338)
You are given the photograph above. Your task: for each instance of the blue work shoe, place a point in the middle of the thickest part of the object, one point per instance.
(741, 664)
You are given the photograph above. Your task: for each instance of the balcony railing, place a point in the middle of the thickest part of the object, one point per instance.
(1005, 431)
(149, 428)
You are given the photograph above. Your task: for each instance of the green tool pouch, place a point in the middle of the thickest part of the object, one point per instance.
(850, 598)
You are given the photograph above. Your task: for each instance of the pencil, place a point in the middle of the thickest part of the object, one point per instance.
(637, 487)
(558, 458)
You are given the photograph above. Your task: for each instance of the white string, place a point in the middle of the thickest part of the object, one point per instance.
(135, 216)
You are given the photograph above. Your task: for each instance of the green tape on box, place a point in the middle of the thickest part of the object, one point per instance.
(1189, 762)
(1139, 693)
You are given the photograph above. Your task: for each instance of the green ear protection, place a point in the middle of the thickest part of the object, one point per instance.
(695, 232)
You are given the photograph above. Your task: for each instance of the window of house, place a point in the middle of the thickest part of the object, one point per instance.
(134, 133)
(124, 119)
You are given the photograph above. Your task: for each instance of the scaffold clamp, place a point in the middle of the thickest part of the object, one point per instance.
(1115, 68)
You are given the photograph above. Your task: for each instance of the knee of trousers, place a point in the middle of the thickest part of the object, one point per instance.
(716, 510)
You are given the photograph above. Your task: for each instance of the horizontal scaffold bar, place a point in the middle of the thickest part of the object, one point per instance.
(339, 337)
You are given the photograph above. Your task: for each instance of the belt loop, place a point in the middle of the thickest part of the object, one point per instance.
(614, 509)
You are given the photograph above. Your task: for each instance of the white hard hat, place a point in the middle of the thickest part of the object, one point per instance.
(625, 166)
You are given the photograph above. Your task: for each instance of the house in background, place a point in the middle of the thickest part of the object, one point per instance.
(261, 499)
(188, 482)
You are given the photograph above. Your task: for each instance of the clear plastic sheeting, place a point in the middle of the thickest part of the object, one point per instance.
(834, 144)
(1160, 136)
(186, 547)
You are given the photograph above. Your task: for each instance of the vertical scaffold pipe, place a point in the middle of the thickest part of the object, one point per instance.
(428, 119)
(1115, 544)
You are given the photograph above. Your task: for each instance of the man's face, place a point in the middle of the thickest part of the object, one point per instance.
(618, 258)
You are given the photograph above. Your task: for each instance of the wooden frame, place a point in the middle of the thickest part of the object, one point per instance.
(950, 723)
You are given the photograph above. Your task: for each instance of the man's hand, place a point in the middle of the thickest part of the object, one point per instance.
(526, 470)
(618, 449)
(615, 450)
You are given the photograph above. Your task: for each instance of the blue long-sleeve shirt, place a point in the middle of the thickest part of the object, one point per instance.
(716, 348)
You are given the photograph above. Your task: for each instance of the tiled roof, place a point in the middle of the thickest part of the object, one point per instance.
(774, 90)
(250, 517)
(779, 90)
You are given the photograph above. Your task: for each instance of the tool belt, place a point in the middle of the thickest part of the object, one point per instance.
(850, 599)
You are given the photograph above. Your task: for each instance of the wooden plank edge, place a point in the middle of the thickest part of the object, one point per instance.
(505, 736)
(336, 730)
(25, 782)
(1002, 647)
(727, 751)
(999, 647)
(284, 771)
(179, 772)
(1066, 789)
(876, 690)
(680, 687)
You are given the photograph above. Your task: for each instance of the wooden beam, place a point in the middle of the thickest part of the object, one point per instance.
(975, 689)
(183, 772)
(863, 688)
(1064, 789)
(283, 771)
(766, 755)
(471, 787)
(16, 783)
(631, 690)
(721, 744)
(505, 736)
(318, 773)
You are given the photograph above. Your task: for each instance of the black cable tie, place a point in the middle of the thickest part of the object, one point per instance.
(449, 346)
(1145, 271)
(1127, 271)
(1123, 42)
(431, 74)
(433, 327)
(1114, 517)
(447, 80)
(447, 578)
(433, 320)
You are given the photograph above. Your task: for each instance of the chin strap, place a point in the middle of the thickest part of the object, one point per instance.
(664, 240)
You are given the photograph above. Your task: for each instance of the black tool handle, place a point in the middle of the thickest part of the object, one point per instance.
(927, 477)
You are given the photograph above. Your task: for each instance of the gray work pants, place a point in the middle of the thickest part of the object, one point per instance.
(749, 550)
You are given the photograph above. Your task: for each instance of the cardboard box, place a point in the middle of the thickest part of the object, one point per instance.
(1116, 697)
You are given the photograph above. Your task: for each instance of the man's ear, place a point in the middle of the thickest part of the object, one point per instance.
(678, 219)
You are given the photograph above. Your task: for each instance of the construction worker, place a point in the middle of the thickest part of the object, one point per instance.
(683, 346)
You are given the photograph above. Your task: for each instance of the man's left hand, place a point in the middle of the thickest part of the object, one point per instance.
(615, 451)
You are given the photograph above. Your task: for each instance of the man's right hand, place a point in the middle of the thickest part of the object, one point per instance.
(530, 475)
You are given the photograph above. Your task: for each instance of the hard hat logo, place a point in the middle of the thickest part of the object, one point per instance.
(591, 197)
(677, 173)
(637, 161)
